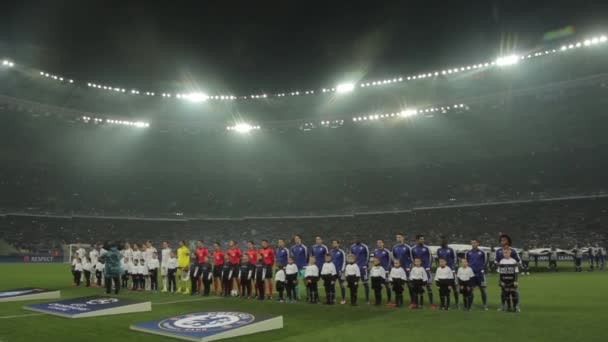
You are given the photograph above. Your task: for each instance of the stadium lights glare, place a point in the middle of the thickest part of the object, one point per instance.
(409, 112)
(507, 60)
(345, 88)
(243, 128)
(195, 97)
(8, 63)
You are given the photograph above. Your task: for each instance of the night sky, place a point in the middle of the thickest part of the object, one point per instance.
(269, 46)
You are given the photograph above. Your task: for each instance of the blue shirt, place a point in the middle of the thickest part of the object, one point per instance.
(319, 252)
(477, 260)
(280, 255)
(500, 255)
(424, 254)
(300, 255)
(384, 255)
(361, 253)
(403, 252)
(449, 255)
(338, 257)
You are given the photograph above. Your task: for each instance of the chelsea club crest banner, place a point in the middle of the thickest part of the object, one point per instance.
(210, 325)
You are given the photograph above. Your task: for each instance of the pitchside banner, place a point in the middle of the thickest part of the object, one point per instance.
(27, 293)
(210, 325)
(91, 306)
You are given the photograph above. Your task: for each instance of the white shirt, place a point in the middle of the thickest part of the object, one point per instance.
(328, 268)
(165, 256)
(311, 271)
(136, 255)
(80, 252)
(465, 273)
(74, 261)
(94, 255)
(291, 269)
(352, 270)
(153, 264)
(128, 253)
(418, 273)
(87, 266)
(148, 253)
(172, 264)
(377, 271)
(280, 276)
(444, 273)
(99, 266)
(397, 273)
(78, 267)
(509, 261)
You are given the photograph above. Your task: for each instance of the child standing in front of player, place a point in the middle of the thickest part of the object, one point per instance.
(99, 268)
(291, 279)
(311, 277)
(153, 265)
(87, 267)
(508, 271)
(77, 271)
(135, 275)
(227, 270)
(125, 266)
(143, 274)
(398, 278)
(419, 279)
(329, 276)
(444, 278)
(245, 276)
(172, 265)
(466, 277)
(207, 275)
(353, 276)
(259, 277)
(378, 277)
(279, 281)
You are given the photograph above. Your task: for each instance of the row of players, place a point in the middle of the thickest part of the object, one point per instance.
(232, 270)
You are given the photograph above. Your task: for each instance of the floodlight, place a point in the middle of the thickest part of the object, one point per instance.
(507, 60)
(345, 87)
(243, 128)
(196, 97)
(409, 112)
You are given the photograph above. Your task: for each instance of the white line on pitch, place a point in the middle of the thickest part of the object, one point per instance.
(18, 316)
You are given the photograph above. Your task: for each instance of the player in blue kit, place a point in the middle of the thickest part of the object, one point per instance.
(449, 254)
(319, 251)
(384, 256)
(423, 252)
(299, 253)
(505, 241)
(338, 257)
(403, 253)
(281, 253)
(361, 253)
(477, 261)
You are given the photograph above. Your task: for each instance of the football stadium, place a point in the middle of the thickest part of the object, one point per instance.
(285, 171)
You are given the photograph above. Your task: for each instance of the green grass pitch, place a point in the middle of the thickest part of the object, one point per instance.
(562, 306)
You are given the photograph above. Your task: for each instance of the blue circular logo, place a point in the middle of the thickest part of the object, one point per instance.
(206, 321)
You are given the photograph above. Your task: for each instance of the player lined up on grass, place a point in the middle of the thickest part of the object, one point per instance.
(338, 258)
(299, 254)
(385, 259)
(476, 259)
(219, 258)
(267, 256)
(361, 253)
(449, 255)
(423, 252)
